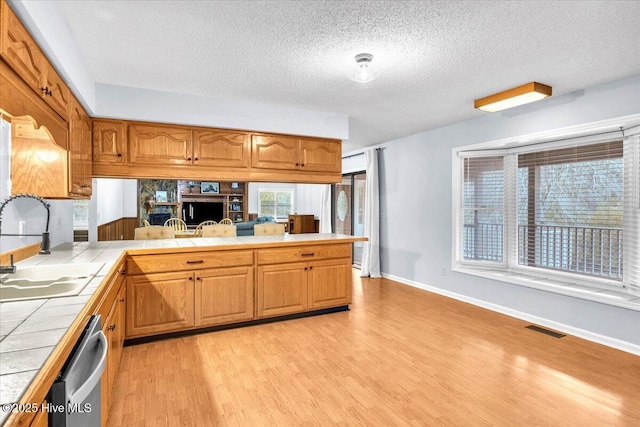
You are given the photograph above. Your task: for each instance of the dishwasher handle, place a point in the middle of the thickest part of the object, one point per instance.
(83, 391)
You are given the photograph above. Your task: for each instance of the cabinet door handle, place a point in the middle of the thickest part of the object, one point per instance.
(112, 328)
(123, 272)
(119, 154)
(297, 164)
(195, 262)
(310, 268)
(195, 159)
(308, 254)
(121, 300)
(302, 165)
(189, 158)
(197, 278)
(191, 278)
(305, 269)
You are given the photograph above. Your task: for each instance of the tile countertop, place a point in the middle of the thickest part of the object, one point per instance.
(31, 329)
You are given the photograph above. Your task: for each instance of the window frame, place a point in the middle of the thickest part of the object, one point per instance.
(562, 282)
(275, 197)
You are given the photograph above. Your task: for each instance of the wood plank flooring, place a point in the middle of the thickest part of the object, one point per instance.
(400, 357)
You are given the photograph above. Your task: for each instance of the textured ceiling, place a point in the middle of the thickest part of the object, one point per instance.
(435, 58)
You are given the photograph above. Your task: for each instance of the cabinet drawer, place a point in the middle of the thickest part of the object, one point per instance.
(145, 264)
(304, 253)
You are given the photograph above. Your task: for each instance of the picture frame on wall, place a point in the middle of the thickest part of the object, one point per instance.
(208, 187)
(161, 196)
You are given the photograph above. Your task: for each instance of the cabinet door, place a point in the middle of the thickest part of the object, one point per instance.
(56, 92)
(79, 150)
(275, 152)
(282, 289)
(159, 303)
(224, 295)
(159, 145)
(329, 283)
(19, 50)
(108, 141)
(105, 380)
(221, 149)
(320, 156)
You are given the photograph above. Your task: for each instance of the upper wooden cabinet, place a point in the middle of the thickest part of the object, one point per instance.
(159, 145)
(109, 141)
(19, 50)
(79, 150)
(22, 54)
(304, 154)
(223, 149)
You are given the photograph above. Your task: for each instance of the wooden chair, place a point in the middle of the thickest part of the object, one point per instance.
(145, 223)
(154, 232)
(219, 230)
(226, 221)
(177, 224)
(198, 231)
(268, 229)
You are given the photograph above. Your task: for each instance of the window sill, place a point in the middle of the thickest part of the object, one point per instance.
(573, 289)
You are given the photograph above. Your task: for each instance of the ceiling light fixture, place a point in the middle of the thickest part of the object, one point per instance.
(524, 94)
(364, 72)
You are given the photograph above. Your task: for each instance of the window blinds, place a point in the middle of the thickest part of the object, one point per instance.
(570, 209)
(482, 212)
(632, 213)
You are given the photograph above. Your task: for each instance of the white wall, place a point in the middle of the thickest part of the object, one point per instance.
(157, 106)
(307, 198)
(416, 208)
(115, 199)
(30, 211)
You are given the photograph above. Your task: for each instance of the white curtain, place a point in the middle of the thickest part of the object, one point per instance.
(325, 212)
(371, 253)
(631, 216)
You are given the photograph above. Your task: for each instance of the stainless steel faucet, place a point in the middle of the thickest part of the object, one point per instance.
(45, 246)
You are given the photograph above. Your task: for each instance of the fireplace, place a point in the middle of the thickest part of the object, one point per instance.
(193, 213)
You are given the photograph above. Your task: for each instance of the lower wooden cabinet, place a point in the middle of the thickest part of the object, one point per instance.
(301, 286)
(224, 295)
(282, 289)
(159, 303)
(113, 326)
(329, 283)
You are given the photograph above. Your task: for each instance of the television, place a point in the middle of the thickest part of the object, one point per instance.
(193, 213)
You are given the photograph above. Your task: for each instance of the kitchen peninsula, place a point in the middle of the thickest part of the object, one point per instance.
(157, 287)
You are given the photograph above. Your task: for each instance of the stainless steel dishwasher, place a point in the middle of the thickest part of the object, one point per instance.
(75, 395)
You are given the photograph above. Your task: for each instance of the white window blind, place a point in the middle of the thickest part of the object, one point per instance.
(632, 213)
(482, 209)
(570, 209)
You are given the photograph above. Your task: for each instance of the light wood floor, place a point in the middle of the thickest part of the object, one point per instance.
(401, 356)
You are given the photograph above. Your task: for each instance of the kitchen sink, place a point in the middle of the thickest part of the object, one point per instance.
(47, 281)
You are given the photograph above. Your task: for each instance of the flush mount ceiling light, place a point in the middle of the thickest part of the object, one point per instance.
(513, 97)
(364, 71)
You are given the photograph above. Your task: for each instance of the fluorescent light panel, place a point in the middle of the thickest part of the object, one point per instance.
(524, 94)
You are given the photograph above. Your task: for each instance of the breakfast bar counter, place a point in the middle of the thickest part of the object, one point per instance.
(269, 276)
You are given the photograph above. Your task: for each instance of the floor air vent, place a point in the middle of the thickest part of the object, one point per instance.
(545, 331)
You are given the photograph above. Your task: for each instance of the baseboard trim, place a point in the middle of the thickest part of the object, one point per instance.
(570, 330)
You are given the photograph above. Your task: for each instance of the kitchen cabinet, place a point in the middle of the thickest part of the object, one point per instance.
(159, 145)
(79, 150)
(109, 141)
(282, 289)
(20, 51)
(221, 149)
(292, 280)
(161, 302)
(172, 292)
(224, 295)
(291, 153)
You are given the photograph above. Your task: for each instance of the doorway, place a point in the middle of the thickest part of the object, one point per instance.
(348, 198)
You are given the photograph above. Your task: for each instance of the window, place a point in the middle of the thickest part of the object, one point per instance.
(570, 209)
(275, 203)
(570, 213)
